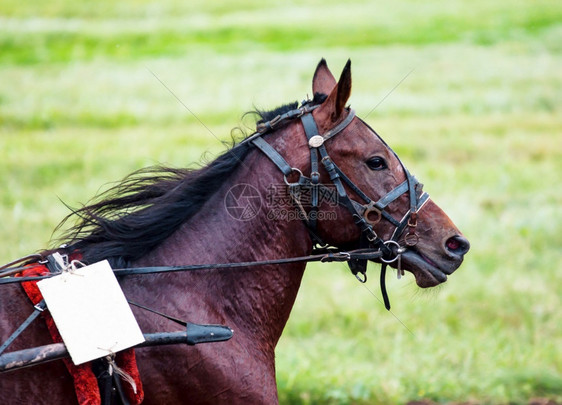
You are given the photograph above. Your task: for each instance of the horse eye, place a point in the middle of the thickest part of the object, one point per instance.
(376, 163)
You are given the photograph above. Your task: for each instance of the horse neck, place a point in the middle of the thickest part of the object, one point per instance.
(256, 298)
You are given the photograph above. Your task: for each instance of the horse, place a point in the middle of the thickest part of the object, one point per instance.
(310, 176)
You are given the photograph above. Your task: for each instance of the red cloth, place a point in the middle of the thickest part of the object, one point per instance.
(85, 382)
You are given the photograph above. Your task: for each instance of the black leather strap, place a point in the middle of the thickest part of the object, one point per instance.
(311, 130)
(273, 155)
(383, 287)
(341, 126)
(40, 307)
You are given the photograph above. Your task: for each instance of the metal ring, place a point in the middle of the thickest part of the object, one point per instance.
(372, 209)
(293, 169)
(389, 242)
(411, 239)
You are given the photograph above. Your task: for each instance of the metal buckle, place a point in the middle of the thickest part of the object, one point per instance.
(336, 257)
(413, 220)
(274, 121)
(372, 237)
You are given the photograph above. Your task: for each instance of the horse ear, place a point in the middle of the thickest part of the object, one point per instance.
(337, 99)
(323, 81)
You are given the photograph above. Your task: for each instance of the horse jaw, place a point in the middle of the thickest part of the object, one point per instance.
(426, 272)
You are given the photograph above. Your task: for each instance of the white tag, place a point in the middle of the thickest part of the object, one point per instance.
(91, 312)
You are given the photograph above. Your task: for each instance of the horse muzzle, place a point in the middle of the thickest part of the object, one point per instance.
(431, 270)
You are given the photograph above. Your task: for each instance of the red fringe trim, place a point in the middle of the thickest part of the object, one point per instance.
(85, 382)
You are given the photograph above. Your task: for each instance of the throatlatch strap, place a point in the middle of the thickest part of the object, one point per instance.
(273, 155)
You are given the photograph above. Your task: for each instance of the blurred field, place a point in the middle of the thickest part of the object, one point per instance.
(478, 121)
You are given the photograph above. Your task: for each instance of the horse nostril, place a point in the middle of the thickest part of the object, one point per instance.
(458, 245)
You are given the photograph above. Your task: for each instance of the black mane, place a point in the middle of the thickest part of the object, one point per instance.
(145, 208)
(265, 116)
(135, 216)
(269, 115)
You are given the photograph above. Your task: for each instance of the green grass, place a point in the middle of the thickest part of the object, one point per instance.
(85, 35)
(478, 120)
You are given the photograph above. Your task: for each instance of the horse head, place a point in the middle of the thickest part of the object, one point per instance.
(374, 200)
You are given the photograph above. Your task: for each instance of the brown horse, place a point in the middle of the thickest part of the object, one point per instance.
(236, 209)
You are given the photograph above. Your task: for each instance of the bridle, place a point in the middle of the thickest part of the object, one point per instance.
(365, 215)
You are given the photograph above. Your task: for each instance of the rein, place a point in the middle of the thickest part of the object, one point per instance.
(329, 255)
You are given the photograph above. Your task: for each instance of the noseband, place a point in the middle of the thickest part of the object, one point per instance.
(365, 215)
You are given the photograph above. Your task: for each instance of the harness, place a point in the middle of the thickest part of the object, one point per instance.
(365, 215)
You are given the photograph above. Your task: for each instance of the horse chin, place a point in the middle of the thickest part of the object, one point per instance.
(426, 272)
